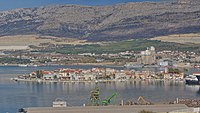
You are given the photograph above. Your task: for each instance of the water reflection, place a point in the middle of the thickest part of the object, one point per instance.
(76, 86)
(134, 88)
(26, 94)
(35, 94)
(16, 95)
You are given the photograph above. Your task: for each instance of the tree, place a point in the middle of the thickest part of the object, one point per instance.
(39, 74)
(55, 77)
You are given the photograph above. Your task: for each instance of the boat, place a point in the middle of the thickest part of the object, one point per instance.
(198, 77)
(23, 65)
(59, 103)
(193, 79)
(33, 65)
(22, 110)
(15, 79)
(197, 66)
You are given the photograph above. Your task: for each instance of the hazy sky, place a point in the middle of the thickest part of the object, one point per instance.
(13, 4)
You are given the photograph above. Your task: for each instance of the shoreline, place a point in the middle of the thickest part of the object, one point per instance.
(73, 64)
(112, 64)
(86, 81)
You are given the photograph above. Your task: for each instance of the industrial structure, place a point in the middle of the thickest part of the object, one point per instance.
(96, 101)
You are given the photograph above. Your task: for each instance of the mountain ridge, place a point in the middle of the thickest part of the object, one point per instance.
(104, 23)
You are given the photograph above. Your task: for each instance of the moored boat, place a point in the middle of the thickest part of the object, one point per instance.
(197, 66)
(23, 65)
(193, 79)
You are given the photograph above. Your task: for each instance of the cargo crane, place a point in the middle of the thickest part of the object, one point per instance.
(107, 101)
(96, 101)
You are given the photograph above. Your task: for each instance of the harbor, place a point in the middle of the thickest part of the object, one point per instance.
(25, 94)
(109, 105)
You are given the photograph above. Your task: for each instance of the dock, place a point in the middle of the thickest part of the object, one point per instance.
(109, 109)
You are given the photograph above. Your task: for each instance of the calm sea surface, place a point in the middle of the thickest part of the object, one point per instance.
(15, 95)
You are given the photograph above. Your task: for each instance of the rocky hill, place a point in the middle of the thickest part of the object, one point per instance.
(104, 23)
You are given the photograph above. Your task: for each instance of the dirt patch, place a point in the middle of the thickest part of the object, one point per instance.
(180, 38)
(26, 40)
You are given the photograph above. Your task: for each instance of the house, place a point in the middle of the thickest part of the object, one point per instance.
(50, 76)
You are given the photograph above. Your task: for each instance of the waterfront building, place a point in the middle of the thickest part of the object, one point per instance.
(88, 76)
(120, 76)
(50, 76)
(173, 76)
(69, 74)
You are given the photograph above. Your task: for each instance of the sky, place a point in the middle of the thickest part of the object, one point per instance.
(14, 4)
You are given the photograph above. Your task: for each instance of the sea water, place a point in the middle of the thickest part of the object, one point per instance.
(15, 95)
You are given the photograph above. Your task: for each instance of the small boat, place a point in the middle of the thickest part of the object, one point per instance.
(23, 65)
(197, 66)
(59, 103)
(33, 65)
(22, 110)
(193, 79)
(15, 79)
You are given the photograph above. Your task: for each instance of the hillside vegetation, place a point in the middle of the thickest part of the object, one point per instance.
(130, 45)
(104, 23)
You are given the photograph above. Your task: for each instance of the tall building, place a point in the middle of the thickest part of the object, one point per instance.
(148, 56)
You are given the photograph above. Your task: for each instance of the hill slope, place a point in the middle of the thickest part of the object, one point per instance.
(104, 23)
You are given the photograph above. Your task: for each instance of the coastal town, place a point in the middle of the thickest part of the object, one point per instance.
(98, 75)
(90, 56)
(130, 59)
(170, 65)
